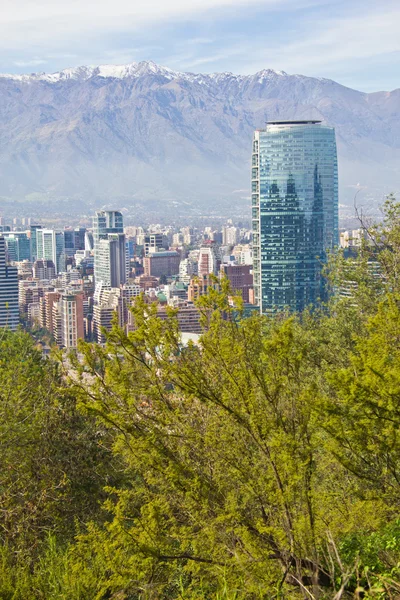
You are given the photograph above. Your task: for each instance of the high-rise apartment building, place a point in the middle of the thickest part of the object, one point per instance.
(110, 264)
(111, 302)
(71, 316)
(9, 310)
(43, 269)
(294, 212)
(208, 259)
(187, 268)
(230, 236)
(51, 246)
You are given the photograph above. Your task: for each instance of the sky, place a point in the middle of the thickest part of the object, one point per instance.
(354, 42)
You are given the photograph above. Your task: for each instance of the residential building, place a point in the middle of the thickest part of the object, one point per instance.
(110, 302)
(147, 282)
(30, 292)
(70, 307)
(208, 259)
(46, 310)
(187, 268)
(44, 269)
(25, 268)
(230, 236)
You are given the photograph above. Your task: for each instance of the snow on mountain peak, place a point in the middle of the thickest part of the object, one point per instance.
(134, 69)
(267, 74)
(137, 69)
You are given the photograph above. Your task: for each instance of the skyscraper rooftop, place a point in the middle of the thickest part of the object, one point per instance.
(305, 122)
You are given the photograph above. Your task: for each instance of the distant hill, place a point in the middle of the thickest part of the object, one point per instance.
(144, 133)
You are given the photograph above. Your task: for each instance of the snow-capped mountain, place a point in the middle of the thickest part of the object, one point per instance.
(143, 131)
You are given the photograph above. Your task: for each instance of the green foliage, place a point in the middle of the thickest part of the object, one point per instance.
(54, 464)
(261, 463)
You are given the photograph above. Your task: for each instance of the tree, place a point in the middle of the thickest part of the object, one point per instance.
(54, 461)
(229, 450)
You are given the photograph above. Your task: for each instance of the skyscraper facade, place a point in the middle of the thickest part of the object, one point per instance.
(294, 212)
(9, 309)
(18, 246)
(33, 236)
(51, 246)
(110, 264)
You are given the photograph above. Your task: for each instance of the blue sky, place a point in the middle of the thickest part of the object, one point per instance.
(354, 42)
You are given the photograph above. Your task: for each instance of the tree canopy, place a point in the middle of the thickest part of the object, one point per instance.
(261, 462)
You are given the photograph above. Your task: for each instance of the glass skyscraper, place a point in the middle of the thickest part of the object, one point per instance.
(9, 308)
(18, 246)
(110, 262)
(50, 245)
(294, 212)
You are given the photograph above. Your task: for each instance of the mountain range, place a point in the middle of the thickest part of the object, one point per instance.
(142, 134)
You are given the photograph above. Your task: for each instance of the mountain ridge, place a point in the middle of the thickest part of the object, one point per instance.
(142, 132)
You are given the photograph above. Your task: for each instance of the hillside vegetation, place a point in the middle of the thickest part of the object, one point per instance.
(262, 463)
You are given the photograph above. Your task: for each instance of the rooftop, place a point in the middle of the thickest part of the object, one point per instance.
(308, 122)
(164, 253)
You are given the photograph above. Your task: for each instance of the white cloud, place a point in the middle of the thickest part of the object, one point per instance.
(34, 62)
(39, 22)
(328, 42)
(18, 11)
(317, 41)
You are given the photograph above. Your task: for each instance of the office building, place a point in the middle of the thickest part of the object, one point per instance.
(294, 212)
(9, 311)
(154, 242)
(74, 240)
(33, 238)
(162, 263)
(240, 278)
(110, 261)
(51, 246)
(18, 246)
(69, 241)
